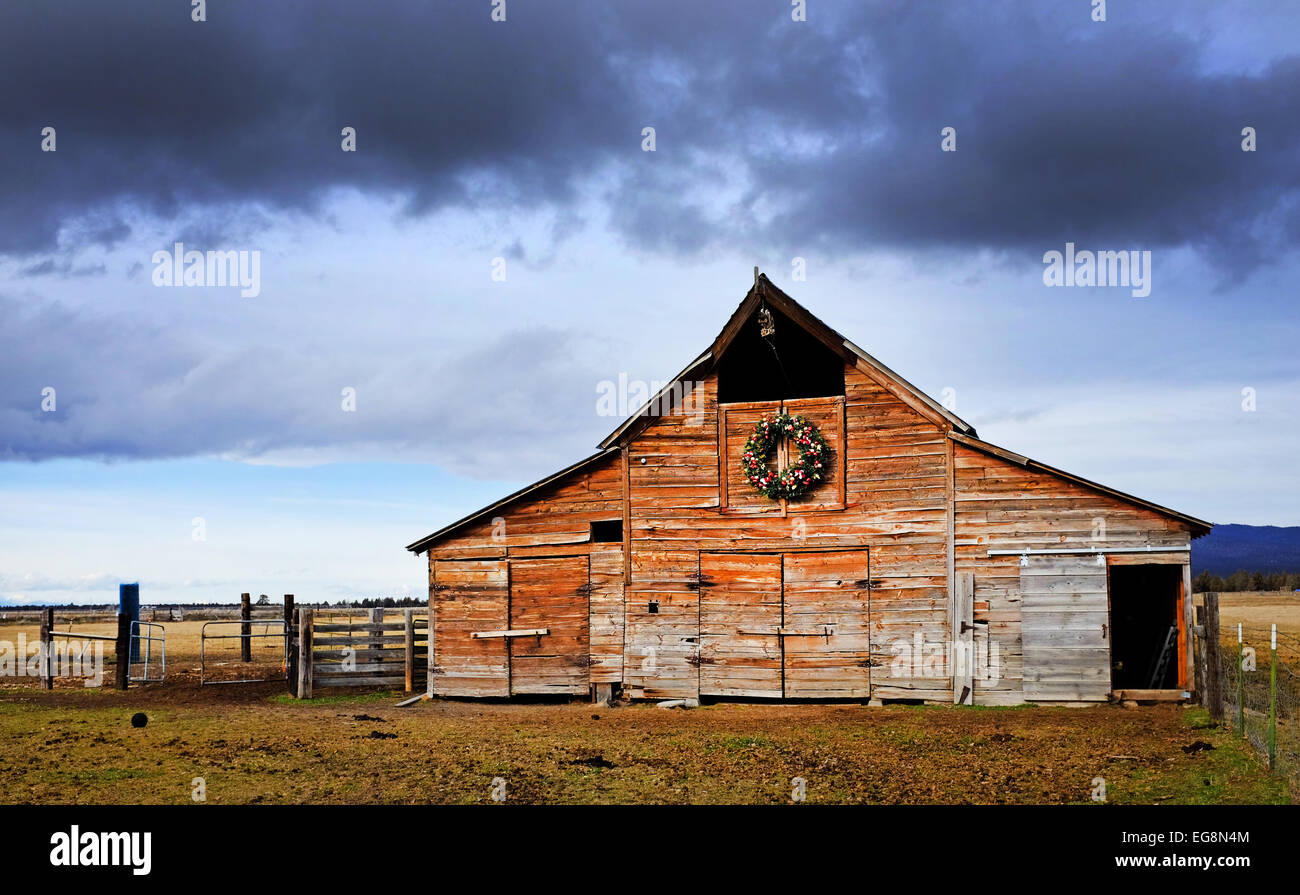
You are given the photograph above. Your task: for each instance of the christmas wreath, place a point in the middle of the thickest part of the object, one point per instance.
(800, 476)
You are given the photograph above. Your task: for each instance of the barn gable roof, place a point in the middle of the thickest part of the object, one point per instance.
(764, 292)
(1198, 526)
(426, 542)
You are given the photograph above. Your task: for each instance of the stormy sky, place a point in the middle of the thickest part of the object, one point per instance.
(500, 242)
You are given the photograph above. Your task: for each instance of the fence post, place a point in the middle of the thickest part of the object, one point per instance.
(128, 601)
(1200, 686)
(409, 619)
(1241, 684)
(291, 644)
(376, 618)
(1213, 659)
(122, 671)
(1272, 703)
(47, 647)
(304, 653)
(246, 629)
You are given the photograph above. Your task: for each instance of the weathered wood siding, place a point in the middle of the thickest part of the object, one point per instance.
(662, 646)
(689, 603)
(465, 598)
(557, 516)
(887, 493)
(1002, 505)
(553, 526)
(606, 614)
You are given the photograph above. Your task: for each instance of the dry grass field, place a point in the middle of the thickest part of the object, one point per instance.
(1256, 611)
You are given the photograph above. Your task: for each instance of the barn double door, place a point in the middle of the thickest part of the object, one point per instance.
(785, 625)
(510, 627)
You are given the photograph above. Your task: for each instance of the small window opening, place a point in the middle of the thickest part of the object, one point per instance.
(607, 531)
(653, 609)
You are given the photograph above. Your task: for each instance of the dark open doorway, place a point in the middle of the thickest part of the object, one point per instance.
(1145, 606)
(791, 363)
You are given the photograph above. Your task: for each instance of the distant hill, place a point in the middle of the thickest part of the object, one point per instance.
(1254, 548)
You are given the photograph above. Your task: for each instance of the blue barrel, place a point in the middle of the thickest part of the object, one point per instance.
(128, 603)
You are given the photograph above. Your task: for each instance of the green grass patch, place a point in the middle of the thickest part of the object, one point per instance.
(341, 698)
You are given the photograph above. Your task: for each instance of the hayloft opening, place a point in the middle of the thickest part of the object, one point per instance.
(790, 363)
(1145, 605)
(607, 531)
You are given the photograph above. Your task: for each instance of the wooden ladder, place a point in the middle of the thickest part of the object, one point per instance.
(1162, 663)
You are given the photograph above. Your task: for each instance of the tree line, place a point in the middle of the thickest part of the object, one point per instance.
(1242, 580)
(368, 603)
(385, 602)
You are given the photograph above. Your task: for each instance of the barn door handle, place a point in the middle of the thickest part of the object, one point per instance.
(1103, 630)
(524, 632)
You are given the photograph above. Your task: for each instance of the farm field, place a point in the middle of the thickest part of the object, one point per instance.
(1256, 611)
(252, 744)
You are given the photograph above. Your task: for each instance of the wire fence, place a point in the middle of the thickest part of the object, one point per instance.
(1261, 694)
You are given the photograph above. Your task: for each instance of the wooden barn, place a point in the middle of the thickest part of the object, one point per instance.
(918, 562)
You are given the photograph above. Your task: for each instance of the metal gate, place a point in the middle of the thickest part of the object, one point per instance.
(151, 673)
(267, 626)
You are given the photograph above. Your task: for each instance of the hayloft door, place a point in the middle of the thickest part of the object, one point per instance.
(549, 595)
(825, 636)
(740, 612)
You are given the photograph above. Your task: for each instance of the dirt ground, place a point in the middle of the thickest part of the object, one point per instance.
(253, 744)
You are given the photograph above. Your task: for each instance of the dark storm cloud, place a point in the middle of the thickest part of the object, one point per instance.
(1100, 134)
(1067, 129)
(156, 113)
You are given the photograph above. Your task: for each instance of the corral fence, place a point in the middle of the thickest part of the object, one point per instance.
(380, 648)
(310, 648)
(137, 652)
(1247, 677)
(136, 644)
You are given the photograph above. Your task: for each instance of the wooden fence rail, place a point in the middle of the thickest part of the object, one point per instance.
(121, 647)
(371, 653)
